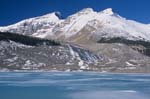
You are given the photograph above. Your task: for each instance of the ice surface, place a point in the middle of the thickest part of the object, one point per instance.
(75, 85)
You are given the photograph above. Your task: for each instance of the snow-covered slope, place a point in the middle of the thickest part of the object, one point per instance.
(86, 22)
(38, 26)
(75, 23)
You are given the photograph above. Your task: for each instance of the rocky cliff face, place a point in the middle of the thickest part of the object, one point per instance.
(18, 55)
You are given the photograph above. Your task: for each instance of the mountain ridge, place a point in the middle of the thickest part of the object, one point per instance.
(103, 22)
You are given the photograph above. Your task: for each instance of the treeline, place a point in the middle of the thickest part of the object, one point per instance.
(124, 41)
(128, 42)
(27, 40)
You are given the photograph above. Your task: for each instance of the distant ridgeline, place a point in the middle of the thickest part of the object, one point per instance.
(27, 40)
(139, 45)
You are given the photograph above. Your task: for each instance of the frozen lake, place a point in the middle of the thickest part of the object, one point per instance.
(76, 85)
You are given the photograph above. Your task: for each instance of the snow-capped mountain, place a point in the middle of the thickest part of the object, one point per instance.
(95, 41)
(85, 23)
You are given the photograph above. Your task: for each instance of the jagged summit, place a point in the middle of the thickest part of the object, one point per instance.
(108, 11)
(58, 14)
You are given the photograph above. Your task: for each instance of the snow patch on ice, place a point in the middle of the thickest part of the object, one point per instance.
(108, 95)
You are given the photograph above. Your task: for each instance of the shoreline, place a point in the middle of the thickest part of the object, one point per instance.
(56, 71)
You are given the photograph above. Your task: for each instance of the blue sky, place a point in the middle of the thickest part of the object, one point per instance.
(12, 11)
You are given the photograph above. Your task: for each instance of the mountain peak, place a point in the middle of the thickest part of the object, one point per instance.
(86, 10)
(53, 15)
(108, 11)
